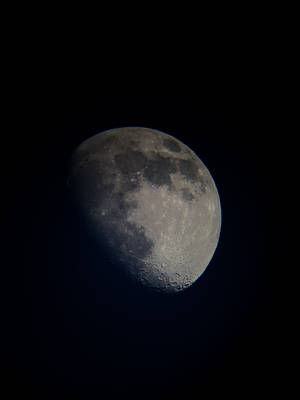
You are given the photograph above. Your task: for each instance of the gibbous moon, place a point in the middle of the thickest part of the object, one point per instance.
(150, 202)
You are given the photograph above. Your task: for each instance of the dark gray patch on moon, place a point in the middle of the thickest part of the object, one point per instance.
(189, 169)
(130, 162)
(187, 195)
(107, 142)
(158, 170)
(130, 184)
(171, 145)
(143, 245)
(121, 241)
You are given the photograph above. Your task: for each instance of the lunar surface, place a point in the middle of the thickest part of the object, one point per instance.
(151, 202)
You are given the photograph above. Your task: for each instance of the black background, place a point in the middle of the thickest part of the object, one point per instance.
(67, 330)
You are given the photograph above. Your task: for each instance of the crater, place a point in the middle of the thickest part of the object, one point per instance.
(171, 145)
(203, 186)
(187, 195)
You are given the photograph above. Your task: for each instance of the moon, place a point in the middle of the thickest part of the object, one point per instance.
(150, 202)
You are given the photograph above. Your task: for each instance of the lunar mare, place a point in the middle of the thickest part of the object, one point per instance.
(151, 202)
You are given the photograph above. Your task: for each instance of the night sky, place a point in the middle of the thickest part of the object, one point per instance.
(69, 329)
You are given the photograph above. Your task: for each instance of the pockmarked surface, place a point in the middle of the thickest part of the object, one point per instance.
(151, 202)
